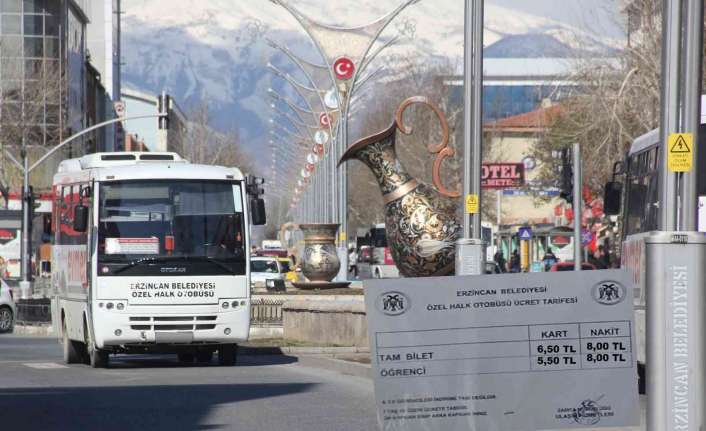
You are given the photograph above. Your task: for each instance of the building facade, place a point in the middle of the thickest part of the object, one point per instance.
(49, 89)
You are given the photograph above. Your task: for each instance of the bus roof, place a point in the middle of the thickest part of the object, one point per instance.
(122, 166)
(650, 138)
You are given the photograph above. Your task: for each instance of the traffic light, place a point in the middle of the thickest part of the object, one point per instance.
(567, 176)
(164, 102)
(252, 186)
(31, 206)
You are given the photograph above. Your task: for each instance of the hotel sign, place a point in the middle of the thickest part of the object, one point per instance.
(502, 175)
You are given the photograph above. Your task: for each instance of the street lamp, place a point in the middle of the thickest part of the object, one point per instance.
(344, 62)
(25, 283)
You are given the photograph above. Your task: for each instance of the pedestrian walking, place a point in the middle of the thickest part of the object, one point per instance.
(353, 261)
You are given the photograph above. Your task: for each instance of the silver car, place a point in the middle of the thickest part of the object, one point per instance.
(7, 308)
(262, 269)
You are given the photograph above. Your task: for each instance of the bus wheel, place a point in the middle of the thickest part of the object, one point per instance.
(204, 357)
(97, 358)
(72, 351)
(185, 357)
(227, 354)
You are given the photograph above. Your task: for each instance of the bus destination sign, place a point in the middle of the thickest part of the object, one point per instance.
(525, 352)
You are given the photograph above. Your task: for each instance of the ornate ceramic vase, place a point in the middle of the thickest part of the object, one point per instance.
(320, 262)
(420, 221)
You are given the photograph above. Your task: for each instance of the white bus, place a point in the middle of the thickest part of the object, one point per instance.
(636, 199)
(150, 254)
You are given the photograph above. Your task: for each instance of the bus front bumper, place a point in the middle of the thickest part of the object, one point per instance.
(182, 325)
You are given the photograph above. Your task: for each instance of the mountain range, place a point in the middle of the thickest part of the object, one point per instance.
(215, 52)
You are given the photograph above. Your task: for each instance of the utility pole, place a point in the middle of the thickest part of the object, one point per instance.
(25, 260)
(675, 256)
(470, 254)
(578, 205)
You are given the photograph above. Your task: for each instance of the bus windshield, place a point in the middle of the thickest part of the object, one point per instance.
(171, 227)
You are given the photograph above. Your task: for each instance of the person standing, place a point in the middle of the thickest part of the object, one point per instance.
(515, 261)
(500, 260)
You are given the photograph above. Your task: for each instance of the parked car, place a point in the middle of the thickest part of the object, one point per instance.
(492, 267)
(263, 268)
(290, 274)
(569, 266)
(8, 310)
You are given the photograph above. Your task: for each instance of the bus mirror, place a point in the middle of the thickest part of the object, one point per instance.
(80, 218)
(612, 194)
(257, 212)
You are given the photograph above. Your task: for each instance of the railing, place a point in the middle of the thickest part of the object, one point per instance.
(33, 312)
(266, 312)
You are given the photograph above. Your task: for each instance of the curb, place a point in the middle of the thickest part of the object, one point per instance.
(34, 330)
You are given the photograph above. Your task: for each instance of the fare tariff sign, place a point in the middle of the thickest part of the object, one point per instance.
(533, 351)
(502, 175)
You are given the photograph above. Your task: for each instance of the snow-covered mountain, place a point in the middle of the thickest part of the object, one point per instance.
(214, 50)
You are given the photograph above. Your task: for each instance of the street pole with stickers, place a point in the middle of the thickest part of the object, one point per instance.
(470, 250)
(675, 256)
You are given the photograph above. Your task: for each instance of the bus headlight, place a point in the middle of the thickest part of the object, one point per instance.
(109, 306)
(234, 304)
(120, 306)
(225, 304)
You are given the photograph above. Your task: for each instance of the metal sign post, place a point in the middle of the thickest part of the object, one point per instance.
(578, 206)
(675, 255)
(472, 243)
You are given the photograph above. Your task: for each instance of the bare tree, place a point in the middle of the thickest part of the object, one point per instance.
(618, 100)
(31, 118)
(202, 143)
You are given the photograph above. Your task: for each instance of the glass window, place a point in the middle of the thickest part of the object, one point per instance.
(10, 6)
(11, 46)
(193, 223)
(33, 69)
(269, 266)
(51, 47)
(10, 68)
(10, 24)
(34, 25)
(11, 113)
(51, 25)
(36, 6)
(52, 114)
(34, 47)
(11, 92)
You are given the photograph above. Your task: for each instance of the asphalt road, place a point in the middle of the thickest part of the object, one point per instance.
(263, 393)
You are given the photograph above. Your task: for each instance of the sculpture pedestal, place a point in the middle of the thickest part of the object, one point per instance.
(311, 285)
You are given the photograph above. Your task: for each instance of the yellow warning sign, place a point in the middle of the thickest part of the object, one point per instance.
(471, 204)
(342, 236)
(680, 157)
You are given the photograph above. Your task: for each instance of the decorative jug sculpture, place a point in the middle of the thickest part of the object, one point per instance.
(420, 222)
(320, 263)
